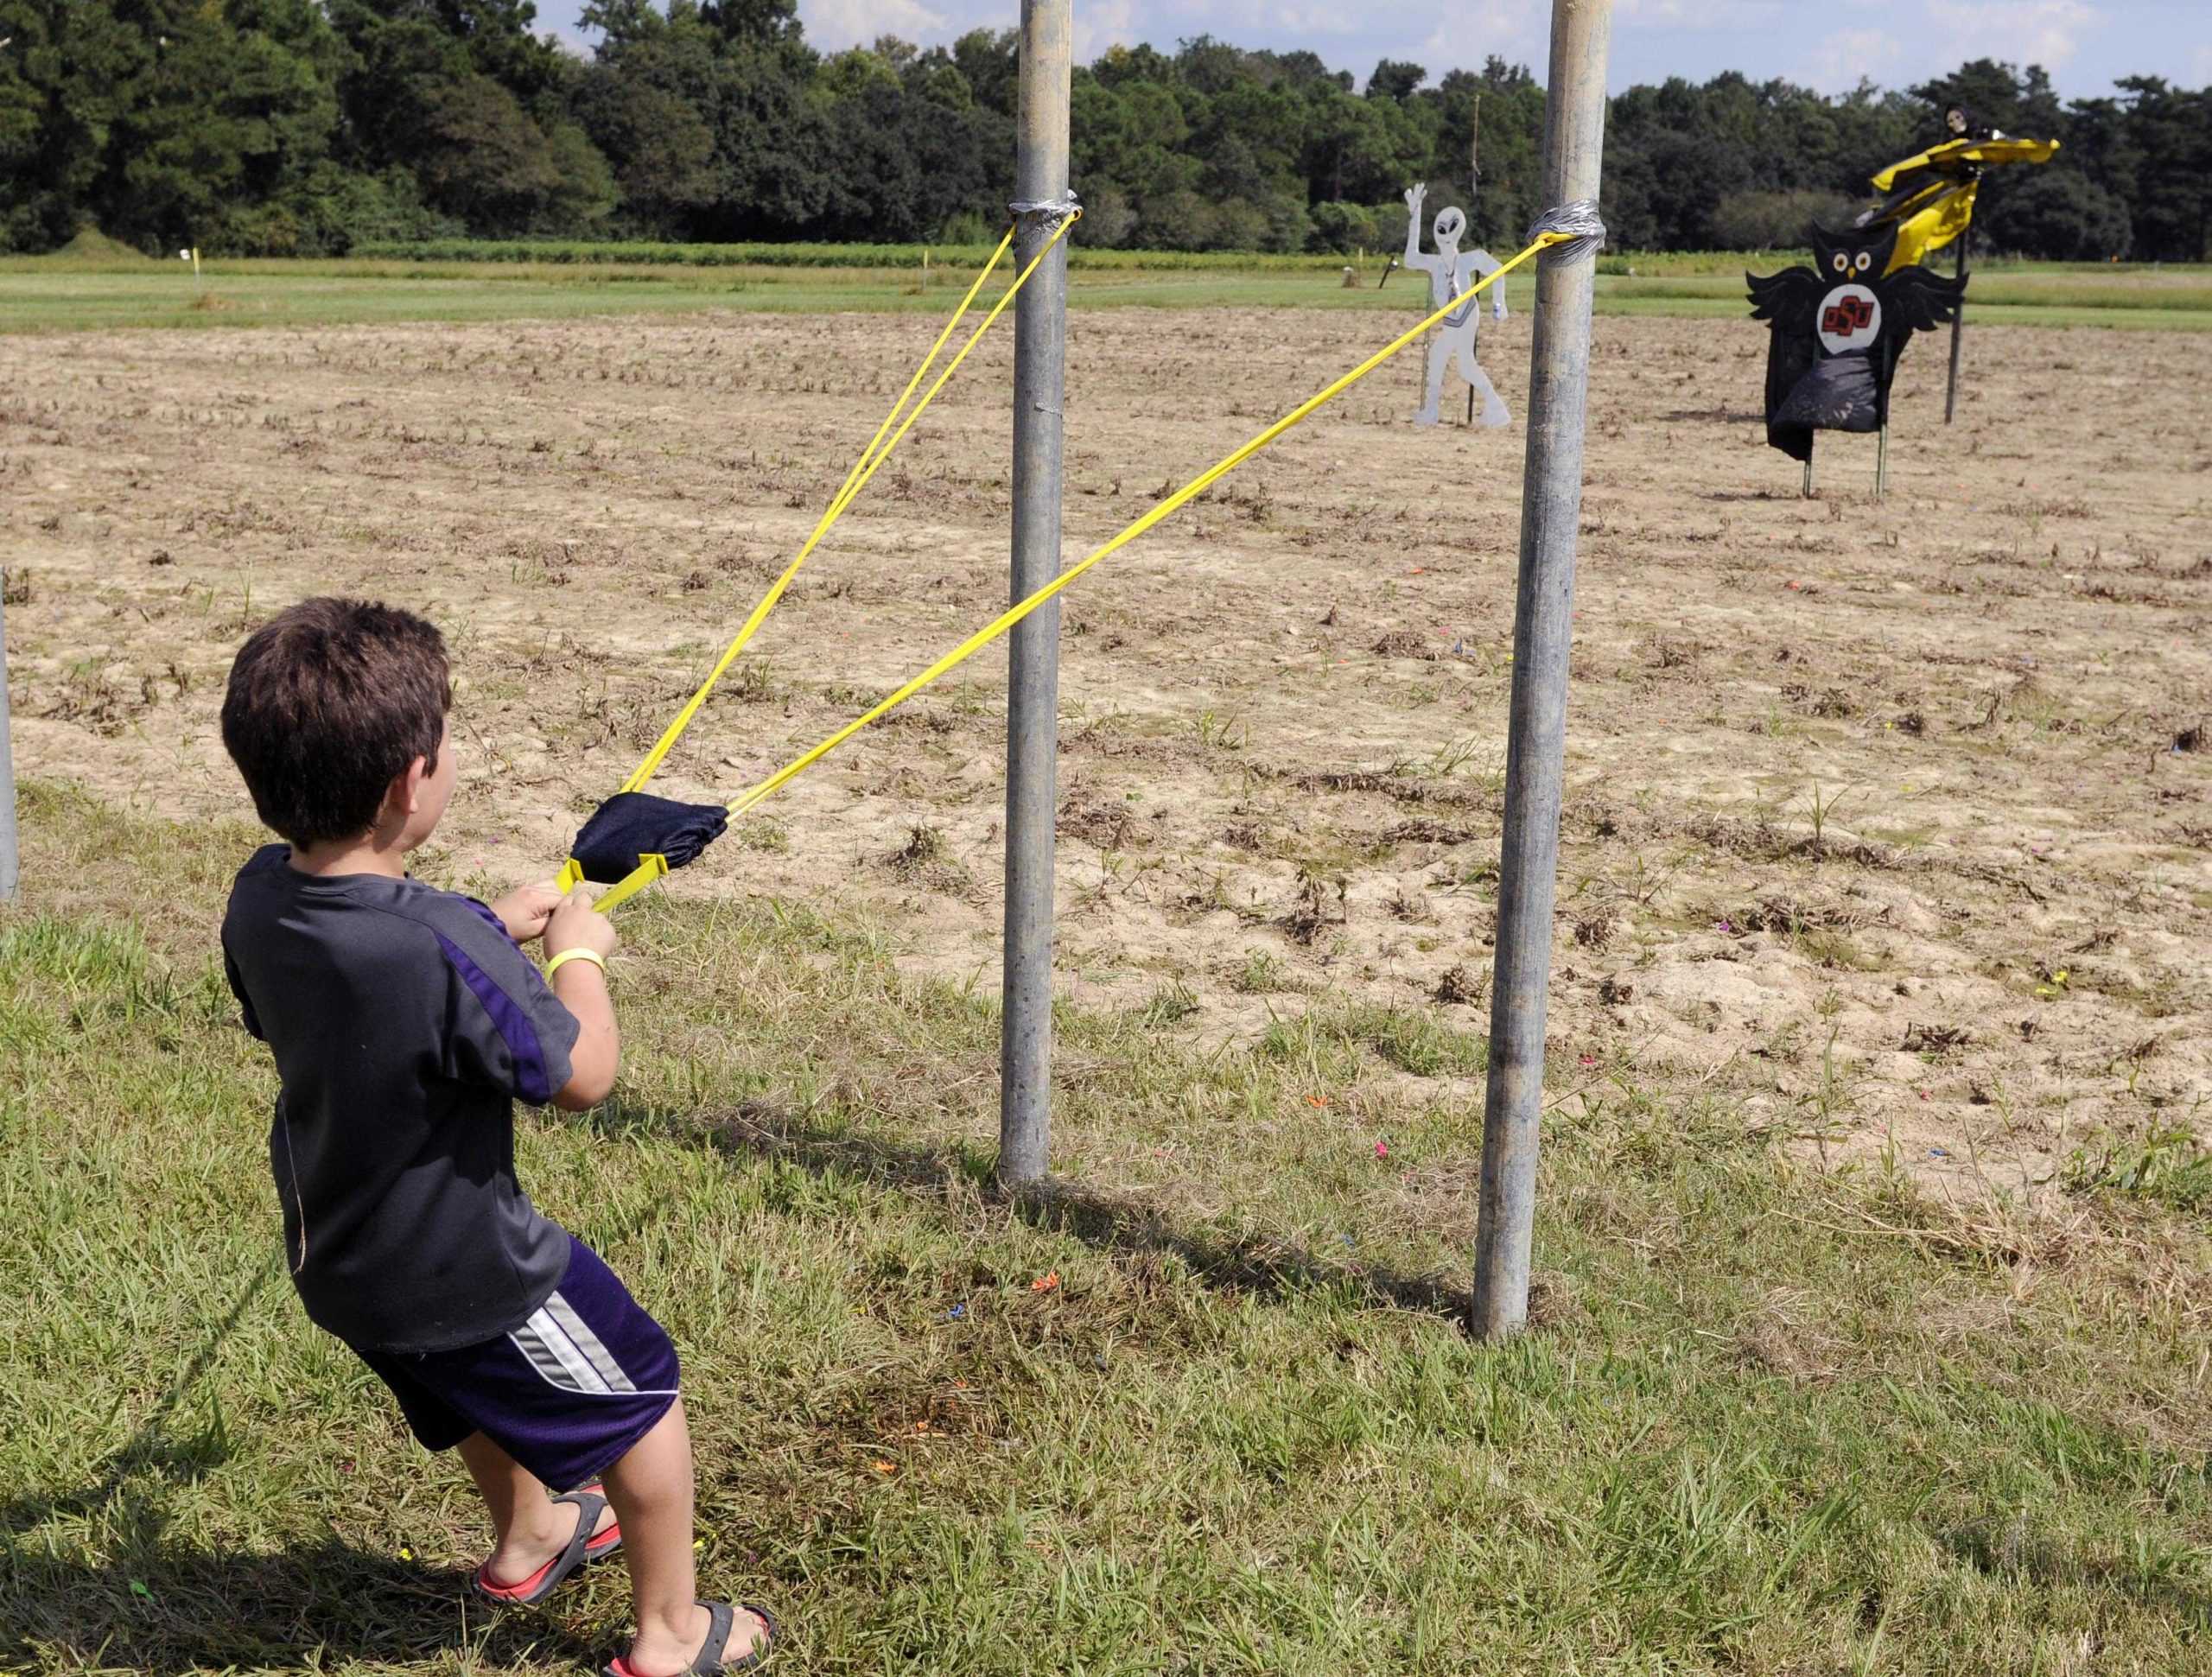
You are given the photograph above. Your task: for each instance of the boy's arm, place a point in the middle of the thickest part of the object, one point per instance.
(597, 1053)
(246, 1015)
(581, 987)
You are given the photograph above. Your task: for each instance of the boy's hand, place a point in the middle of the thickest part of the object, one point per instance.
(575, 924)
(524, 912)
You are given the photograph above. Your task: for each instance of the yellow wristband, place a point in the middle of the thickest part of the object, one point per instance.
(567, 956)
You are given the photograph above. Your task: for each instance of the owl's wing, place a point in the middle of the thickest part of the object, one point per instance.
(1789, 303)
(1920, 299)
(1788, 299)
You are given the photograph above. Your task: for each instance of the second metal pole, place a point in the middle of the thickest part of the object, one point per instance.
(1958, 328)
(1033, 683)
(1551, 510)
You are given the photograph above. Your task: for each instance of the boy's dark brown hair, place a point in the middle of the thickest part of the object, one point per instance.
(327, 703)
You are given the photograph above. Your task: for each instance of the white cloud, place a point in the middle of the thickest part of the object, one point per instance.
(1841, 61)
(1102, 23)
(1700, 13)
(833, 25)
(1318, 20)
(1468, 33)
(2045, 32)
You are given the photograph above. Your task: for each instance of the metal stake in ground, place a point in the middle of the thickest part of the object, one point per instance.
(10, 867)
(1033, 685)
(1551, 506)
(1474, 191)
(1958, 327)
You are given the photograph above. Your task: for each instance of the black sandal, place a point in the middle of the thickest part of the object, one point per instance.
(721, 1622)
(586, 1543)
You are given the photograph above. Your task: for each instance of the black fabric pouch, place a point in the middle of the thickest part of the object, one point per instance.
(633, 824)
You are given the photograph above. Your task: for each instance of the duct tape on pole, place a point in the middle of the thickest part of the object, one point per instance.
(1551, 508)
(10, 857)
(1033, 668)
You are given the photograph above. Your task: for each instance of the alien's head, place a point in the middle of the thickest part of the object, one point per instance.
(1856, 253)
(1451, 222)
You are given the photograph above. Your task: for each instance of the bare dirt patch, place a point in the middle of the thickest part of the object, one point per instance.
(1892, 820)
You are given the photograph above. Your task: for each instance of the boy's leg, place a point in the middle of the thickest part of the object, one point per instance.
(532, 1528)
(651, 1489)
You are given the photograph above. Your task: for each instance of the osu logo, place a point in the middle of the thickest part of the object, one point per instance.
(1847, 319)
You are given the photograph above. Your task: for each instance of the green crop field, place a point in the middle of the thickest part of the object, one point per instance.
(1771, 1419)
(485, 280)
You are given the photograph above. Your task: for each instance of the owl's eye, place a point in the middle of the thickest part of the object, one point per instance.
(1866, 260)
(1838, 262)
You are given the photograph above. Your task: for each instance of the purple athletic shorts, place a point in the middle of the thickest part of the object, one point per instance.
(567, 1393)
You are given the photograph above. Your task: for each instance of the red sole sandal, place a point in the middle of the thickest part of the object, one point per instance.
(722, 1621)
(584, 1546)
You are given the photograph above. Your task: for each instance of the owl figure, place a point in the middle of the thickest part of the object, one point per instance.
(1835, 330)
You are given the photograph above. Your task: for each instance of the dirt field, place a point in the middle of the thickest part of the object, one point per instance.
(1889, 823)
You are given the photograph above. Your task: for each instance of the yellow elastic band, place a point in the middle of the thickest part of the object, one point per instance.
(1196, 487)
(567, 956)
(650, 866)
(856, 479)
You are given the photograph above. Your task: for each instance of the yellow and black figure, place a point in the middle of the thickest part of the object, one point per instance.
(1835, 330)
(1929, 197)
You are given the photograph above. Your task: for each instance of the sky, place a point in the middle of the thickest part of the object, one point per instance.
(2084, 44)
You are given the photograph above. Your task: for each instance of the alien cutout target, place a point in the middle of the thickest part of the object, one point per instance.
(1835, 330)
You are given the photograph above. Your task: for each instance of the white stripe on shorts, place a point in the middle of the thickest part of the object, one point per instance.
(558, 1361)
(593, 1348)
(569, 1357)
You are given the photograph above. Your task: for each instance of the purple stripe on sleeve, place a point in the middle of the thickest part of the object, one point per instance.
(533, 1083)
(485, 914)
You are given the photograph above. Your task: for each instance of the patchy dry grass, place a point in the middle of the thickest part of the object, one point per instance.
(1771, 1420)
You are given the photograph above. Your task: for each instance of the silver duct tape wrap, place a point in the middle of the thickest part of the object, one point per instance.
(1059, 209)
(1580, 218)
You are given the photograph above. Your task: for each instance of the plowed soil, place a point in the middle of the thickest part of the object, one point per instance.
(1889, 823)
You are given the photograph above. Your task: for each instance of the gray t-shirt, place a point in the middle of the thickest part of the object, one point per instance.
(405, 1023)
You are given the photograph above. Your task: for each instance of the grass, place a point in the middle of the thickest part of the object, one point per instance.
(1770, 1421)
(56, 294)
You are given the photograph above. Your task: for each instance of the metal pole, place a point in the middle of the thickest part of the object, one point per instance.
(1806, 493)
(1034, 684)
(1474, 191)
(10, 862)
(1551, 507)
(1882, 463)
(1958, 326)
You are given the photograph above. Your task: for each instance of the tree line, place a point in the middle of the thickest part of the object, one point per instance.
(306, 127)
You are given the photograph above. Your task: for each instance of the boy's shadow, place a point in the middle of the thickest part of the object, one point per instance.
(161, 1606)
(169, 1608)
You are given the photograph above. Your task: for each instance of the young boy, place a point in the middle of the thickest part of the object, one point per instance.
(405, 1022)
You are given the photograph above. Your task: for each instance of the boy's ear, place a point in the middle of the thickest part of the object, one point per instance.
(406, 794)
